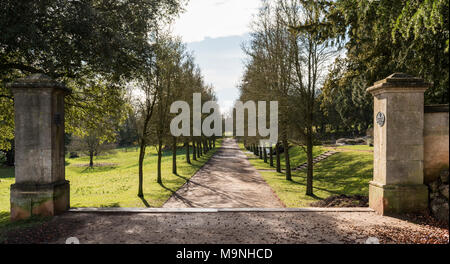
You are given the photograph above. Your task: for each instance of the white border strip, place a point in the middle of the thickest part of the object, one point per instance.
(218, 210)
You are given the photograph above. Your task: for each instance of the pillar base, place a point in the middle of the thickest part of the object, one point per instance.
(398, 199)
(43, 200)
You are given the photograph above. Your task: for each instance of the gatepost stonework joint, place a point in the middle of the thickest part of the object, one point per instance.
(398, 183)
(40, 186)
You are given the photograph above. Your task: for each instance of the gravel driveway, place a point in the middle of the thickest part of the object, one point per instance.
(230, 228)
(227, 180)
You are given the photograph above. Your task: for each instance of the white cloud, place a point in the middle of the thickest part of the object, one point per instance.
(214, 31)
(215, 18)
(221, 62)
(226, 106)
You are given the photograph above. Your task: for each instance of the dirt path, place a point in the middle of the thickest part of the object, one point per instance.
(228, 180)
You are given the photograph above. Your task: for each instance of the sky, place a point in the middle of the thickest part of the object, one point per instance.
(214, 30)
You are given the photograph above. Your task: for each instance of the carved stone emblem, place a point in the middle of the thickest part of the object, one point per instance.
(381, 119)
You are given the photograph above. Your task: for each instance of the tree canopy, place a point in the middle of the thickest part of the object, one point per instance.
(76, 42)
(380, 38)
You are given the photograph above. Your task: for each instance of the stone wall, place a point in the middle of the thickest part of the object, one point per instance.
(439, 196)
(436, 141)
(436, 158)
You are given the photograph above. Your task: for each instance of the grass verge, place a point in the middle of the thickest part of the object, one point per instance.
(343, 173)
(355, 147)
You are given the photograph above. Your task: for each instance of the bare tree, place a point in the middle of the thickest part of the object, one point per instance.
(310, 55)
(170, 53)
(269, 71)
(92, 144)
(97, 133)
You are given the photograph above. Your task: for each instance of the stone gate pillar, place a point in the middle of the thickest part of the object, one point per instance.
(40, 187)
(398, 186)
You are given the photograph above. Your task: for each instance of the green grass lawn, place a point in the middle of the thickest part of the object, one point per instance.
(343, 173)
(296, 154)
(116, 184)
(6, 179)
(356, 147)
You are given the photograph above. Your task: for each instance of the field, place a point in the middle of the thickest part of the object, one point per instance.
(346, 172)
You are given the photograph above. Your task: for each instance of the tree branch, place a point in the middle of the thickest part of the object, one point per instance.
(20, 67)
(6, 96)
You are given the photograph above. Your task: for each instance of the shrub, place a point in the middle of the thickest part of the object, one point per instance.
(73, 155)
(2, 157)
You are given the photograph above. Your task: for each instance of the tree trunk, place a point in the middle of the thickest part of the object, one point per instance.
(271, 156)
(141, 171)
(174, 156)
(287, 159)
(214, 142)
(277, 153)
(194, 150)
(188, 154)
(10, 156)
(309, 153)
(260, 153)
(199, 149)
(202, 147)
(142, 149)
(159, 178)
(265, 154)
(91, 159)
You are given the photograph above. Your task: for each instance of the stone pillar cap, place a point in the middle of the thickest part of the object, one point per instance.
(399, 82)
(37, 80)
